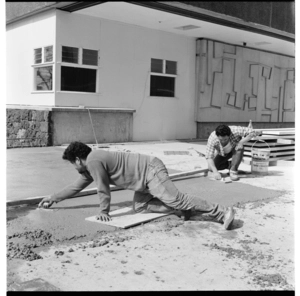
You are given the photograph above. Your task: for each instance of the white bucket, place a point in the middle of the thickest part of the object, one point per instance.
(260, 159)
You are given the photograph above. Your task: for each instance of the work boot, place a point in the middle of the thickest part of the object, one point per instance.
(228, 218)
(186, 215)
(233, 175)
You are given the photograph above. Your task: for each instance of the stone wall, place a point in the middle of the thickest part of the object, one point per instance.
(25, 127)
(36, 126)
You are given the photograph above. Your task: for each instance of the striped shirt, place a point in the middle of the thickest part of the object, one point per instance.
(237, 133)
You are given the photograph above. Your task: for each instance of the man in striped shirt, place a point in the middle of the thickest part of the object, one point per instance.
(224, 143)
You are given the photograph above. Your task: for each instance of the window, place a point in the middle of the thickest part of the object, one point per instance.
(38, 56)
(89, 57)
(78, 79)
(43, 78)
(79, 69)
(162, 79)
(69, 54)
(43, 68)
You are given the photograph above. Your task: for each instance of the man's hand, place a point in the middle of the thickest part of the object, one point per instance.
(103, 217)
(239, 146)
(46, 202)
(258, 133)
(217, 176)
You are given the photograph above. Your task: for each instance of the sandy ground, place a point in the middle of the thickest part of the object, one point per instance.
(169, 254)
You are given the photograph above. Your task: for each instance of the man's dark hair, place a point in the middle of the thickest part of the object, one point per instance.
(76, 149)
(223, 130)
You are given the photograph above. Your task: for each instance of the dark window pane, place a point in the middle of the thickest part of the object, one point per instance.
(38, 56)
(70, 54)
(161, 86)
(156, 65)
(90, 57)
(48, 52)
(43, 78)
(171, 67)
(78, 79)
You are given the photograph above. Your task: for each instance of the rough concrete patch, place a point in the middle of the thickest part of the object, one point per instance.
(21, 245)
(33, 285)
(267, 280)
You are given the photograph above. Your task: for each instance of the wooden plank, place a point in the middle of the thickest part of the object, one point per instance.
(271, 144)
(188, 173)
(272, 148)
(276, 129)
(273, 154)
(38, 199)
(279, 133)
(126, 217)
(269, 137)
(285, 141)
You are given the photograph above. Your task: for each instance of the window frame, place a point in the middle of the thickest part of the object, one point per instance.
(80, 65)
(41, 65)
(164, 74)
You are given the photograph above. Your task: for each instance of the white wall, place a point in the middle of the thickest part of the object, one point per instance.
(124, 80)
(21, 39)
(76, 31)
(131, 48)
(123, 76)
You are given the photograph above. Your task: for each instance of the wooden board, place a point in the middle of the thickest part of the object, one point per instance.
(272, 137)
(276, 129)
(272, 148)
(271, 144)
(285, 141)
(279, 133)
(274, 153)
(126, 217)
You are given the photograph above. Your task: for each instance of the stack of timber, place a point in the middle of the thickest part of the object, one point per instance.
(280, 141)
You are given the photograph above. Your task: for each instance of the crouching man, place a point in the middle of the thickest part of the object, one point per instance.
(224, 143)
(144, 174)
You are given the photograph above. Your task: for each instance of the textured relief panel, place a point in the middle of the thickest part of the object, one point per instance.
(238, 84)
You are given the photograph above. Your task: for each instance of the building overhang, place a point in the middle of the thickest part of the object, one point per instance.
(186, 20)
(193, 12)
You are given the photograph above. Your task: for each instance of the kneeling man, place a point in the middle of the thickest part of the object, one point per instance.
(224, 143)
(146, 175)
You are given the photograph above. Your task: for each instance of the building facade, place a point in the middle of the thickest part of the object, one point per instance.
(129, 71)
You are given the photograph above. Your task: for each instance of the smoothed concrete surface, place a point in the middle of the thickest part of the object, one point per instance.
(66, 219)
(80, 255)
(39, 171)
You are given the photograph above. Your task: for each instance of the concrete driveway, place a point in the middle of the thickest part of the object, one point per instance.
(166, 254)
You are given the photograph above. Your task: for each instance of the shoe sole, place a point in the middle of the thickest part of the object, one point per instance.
(187, 215)
(229, 221)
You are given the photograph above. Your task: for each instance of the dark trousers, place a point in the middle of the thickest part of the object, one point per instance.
(222, 163)
(161, 196)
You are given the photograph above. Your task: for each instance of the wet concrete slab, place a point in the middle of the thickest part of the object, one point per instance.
(39, 171)
(225, 193)
(66, 220)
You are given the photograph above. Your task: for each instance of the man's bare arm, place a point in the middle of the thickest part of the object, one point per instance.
(69, 191)
(212, 167)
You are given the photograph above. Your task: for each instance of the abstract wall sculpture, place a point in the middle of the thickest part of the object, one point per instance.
(237, 84)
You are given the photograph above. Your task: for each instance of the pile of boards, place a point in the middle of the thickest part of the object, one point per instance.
(280, 141)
